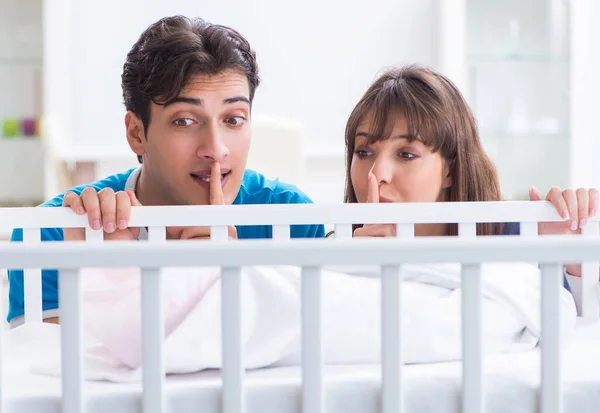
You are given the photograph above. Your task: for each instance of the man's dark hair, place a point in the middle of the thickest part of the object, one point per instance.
(171, 51)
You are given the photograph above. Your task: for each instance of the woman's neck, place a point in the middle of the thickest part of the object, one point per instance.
(431, 230)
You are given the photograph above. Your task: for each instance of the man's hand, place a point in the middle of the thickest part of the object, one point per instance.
(215, 197)
(105, 209)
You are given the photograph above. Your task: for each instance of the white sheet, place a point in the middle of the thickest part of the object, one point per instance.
(431, 313)
(511, 384)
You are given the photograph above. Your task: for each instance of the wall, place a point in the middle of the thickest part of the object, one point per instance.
(316, 57)
(20, 97)
(519, 84)
(20, 58)
(595, 170)
(585, 168)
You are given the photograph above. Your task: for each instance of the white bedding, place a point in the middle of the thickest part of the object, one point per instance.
(511, 382)
(431, 310)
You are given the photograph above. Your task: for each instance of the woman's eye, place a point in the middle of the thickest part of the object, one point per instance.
(407, 155)
(361, 153)
(183, 122)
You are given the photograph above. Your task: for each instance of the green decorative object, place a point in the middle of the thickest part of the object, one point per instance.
(10, 128)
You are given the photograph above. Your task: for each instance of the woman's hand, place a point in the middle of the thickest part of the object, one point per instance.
(576, 207)
(376, 230)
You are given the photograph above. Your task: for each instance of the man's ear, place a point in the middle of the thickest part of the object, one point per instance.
(135, 133)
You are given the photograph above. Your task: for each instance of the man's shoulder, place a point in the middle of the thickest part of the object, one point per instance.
(258, 189)
(116, 182)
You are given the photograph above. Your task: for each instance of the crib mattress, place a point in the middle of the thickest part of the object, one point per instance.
(511, 383)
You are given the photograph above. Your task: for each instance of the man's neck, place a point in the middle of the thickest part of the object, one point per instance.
(145, 192)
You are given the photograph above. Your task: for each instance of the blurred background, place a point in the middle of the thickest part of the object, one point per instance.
(529, 68)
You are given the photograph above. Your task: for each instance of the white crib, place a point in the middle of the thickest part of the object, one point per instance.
(385, 393)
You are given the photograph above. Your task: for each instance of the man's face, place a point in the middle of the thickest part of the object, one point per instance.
(209, 122)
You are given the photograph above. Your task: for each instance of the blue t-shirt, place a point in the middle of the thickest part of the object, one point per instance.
(255, 189)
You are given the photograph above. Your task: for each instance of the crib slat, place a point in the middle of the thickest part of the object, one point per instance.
(93, 235)
(405, 230)
(219, 233)
(343, 231)
(232, 346)
(281, 232)
(467, 229)
(528, 229)
(32, 281)
(71, 340)
(312, 347)
(391, 363)
(472, 339)
(153, 368)
(152, 334)
(157, 234)
(551, 400)
(589, 278)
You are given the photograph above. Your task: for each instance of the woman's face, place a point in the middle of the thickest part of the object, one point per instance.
(404, 171)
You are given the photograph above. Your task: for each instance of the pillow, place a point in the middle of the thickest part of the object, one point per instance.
(112, 305)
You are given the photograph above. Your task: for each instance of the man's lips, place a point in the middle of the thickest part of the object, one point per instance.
(204, 176)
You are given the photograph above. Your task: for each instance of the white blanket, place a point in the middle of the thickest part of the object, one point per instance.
(431, 310)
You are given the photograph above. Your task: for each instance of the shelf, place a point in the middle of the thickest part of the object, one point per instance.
(516, 59)
(21, 61)
(18, 138)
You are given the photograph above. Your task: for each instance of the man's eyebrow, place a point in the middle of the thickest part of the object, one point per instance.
(184, 99)
(198, 102)
(236, 99)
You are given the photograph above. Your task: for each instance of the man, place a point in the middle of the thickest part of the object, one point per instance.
(188, 88)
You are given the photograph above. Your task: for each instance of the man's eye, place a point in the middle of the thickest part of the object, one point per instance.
(236, 120)
(183, 122)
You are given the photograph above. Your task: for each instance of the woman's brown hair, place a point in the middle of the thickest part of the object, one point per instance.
(437, 115)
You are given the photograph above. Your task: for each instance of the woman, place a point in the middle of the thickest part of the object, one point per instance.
(413, 138)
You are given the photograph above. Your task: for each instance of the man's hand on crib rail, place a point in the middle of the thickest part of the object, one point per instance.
(105, 209)
(112, 211)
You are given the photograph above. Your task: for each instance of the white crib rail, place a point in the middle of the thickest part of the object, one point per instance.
(390, 254)
(310, 254)
(280, 217)
(286, 214)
